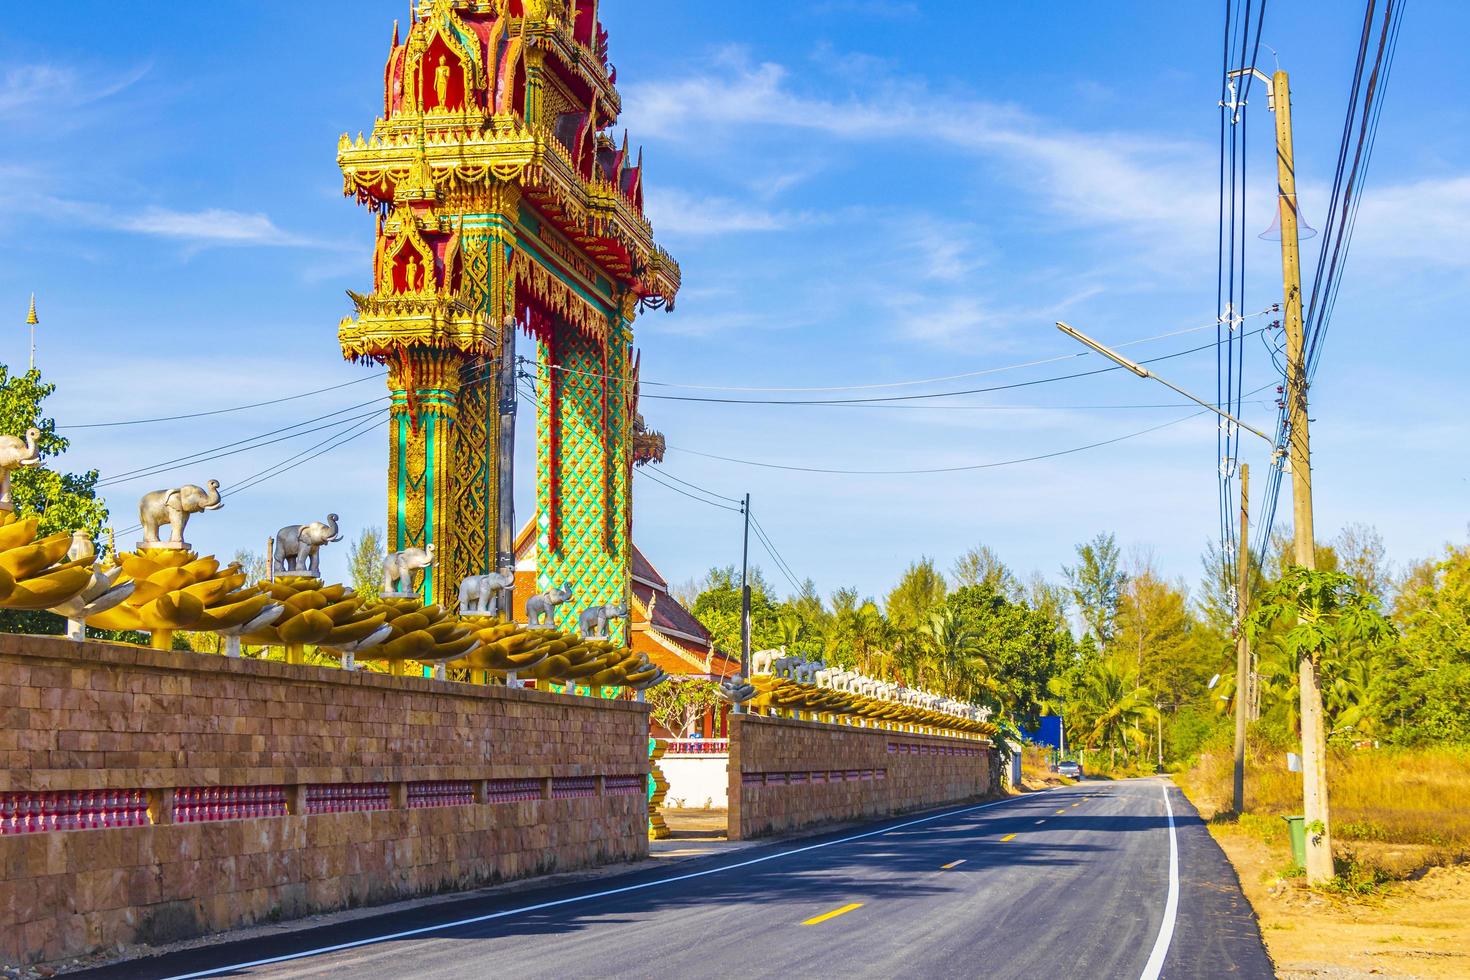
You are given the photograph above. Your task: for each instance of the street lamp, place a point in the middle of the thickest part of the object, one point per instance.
(1242, 644)
(1144, 372)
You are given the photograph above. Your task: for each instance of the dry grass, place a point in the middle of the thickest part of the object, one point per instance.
(1378, 796)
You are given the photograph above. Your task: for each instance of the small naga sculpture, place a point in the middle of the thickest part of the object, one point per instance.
(593, 622)
(479, 595)
(15, 453)
(541, 609)
(172, 508)
(399, 567)
(297, 547)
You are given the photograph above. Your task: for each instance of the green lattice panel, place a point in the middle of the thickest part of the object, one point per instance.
(583, 563)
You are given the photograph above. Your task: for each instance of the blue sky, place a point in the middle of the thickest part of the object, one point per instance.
(859, 193)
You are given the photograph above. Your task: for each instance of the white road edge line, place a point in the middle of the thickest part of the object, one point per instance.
(393, 936)
(1155, 964)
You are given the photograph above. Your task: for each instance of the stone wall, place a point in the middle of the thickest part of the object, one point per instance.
(786, 774)
(191, 793)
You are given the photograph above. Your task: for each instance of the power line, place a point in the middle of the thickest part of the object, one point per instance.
(224, 411)
(935, 394)
(203, 455)
(693, 486)
(770, 547)
(287, 464)
(864, 387)
(939, 469)
(669, 486)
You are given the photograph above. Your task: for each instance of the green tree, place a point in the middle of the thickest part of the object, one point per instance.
(953, 647)
(982, 566)
(365, 562)
(1174, 654)
(918, 592)
(718, 608)
(1424, 690)
(1109, 711)
(1361, 554)
(253, 564)
(60, 501)
(1321, 614)
(1096, 585)
(678, 705)
(1023, 649)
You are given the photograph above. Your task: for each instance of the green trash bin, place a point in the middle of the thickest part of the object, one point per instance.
(1298, 828)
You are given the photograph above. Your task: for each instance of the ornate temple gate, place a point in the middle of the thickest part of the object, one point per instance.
(502, 205)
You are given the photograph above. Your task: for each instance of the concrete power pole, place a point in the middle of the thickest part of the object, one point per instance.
(745, 593)
(1242, 644)
(505, 539)
(1314, 739)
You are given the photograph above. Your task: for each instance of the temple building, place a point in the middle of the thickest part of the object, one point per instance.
(503, 207)
(670, 635)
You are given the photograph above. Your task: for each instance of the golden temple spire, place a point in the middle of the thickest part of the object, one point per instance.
(31, 321)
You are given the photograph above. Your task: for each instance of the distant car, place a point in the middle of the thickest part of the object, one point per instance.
(1070, 769)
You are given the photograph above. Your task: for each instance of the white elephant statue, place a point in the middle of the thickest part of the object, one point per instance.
(399, 567)
(479, 595)
(172, 508)
(762, 661)
(541, 608)
(15, 453)
(297, 547)
(593, 622)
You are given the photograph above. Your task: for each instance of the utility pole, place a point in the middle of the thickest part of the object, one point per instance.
(505, 546)
(1242, 645)
(1299, 456)
(745, 593)
(1314, 739)
(744, 601)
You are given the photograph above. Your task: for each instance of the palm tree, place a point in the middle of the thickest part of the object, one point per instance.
(952, 645)
(1111, 711)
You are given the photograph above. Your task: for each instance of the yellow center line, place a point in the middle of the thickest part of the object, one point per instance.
(1007, 837)
(832, 914)
(1059, 812)
(952, 864)
(1076, 804)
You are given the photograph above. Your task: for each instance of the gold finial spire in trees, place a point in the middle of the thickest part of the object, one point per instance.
(31, 321)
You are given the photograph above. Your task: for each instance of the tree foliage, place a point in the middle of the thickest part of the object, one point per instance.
(60, 501)
(1096, 584)
(365, 562)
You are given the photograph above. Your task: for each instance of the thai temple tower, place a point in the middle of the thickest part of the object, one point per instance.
(504, 209)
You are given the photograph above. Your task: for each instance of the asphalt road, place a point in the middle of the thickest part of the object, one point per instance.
(1073, 882)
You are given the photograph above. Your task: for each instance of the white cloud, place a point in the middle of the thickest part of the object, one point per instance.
(677, 212)
(1424, 221)
(213, 226)
(41, 90)
(1117, 180)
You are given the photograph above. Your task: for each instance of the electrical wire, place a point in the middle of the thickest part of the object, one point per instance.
(224, 411)
(866, 387)
(939, 469)
(289, 463)
(934, 394)
(765, 539)
(203, 456)
(669, 486)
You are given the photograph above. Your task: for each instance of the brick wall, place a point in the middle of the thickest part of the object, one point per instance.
(220, 792)
(786, 774)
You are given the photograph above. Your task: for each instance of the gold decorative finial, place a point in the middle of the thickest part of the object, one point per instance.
(31, 316)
